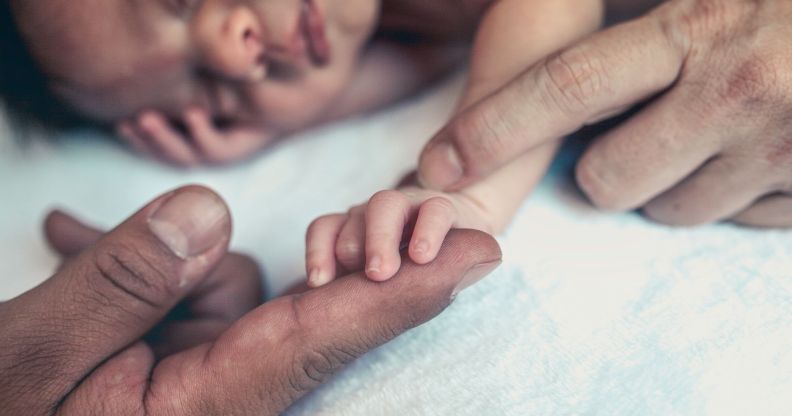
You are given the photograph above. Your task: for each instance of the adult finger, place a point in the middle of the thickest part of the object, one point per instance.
(609, 71)
(284, 349)
(114, 292)
(233, 289)
(230, 291)
(720, 189)
(648, 154)
(774, 211)
(67, 235)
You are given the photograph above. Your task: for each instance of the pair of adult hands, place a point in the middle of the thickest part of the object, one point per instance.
(712, 141)
(156, 317)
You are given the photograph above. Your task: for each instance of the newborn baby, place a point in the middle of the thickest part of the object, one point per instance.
(196, 81)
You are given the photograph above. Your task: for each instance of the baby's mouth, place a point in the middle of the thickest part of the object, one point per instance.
(312, 26)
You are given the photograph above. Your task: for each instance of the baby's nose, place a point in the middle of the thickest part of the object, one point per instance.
(232, 45)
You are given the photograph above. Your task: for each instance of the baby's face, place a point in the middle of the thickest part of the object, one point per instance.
(268, 63)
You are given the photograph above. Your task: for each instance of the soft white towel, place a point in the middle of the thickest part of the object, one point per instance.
(591, 313)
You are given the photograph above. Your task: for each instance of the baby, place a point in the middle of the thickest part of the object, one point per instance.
(196, 81)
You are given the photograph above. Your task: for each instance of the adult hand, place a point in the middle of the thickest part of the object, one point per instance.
(713, 143)
(75, 344)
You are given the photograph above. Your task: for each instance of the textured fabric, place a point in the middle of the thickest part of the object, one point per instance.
(591, 313)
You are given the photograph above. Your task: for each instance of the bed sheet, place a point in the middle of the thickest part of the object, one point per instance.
(591, 312)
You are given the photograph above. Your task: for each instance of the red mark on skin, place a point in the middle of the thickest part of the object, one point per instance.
(780, 151)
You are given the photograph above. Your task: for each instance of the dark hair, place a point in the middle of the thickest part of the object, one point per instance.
(24, 88)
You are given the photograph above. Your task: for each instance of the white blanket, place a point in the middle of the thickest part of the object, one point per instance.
(591, 313)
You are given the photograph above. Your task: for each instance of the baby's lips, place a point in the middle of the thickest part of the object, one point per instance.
(474, 274)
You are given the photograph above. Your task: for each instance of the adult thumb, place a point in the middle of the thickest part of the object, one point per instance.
(114, 292)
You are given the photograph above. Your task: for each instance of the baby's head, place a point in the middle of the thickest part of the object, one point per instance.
(263, 63)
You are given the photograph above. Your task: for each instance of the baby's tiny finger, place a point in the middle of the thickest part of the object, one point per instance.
(435, 218)
(205, 134)
(320, 242)
(134, 139)
(386, 217)
(172, 144)
(351, 239)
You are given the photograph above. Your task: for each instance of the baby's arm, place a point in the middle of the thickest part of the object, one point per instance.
(514, 35)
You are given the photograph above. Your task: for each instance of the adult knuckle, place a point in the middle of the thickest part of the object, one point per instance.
(310, 363)
(483, 133)
(132, 274)
(778, 157)
(709, 19)
(751, 85)
(313, 365)
(575, 76)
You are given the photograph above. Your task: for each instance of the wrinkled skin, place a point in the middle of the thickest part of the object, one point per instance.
(155, 317)
(713, 142)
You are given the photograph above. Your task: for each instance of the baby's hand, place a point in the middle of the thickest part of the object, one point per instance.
(370, 236)
(153, 135)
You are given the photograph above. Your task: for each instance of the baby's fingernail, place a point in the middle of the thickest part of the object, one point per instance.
(441, 167)
(374, 265)
(317, 278)
(421, 247)
(473, 276)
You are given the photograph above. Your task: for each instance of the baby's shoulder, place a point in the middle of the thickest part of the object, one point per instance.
(442, 19)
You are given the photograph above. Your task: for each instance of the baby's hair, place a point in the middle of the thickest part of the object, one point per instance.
(24, 87)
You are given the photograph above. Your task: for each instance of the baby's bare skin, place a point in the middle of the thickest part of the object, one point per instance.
(268, 68)
(513, 35)
(234, 75)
